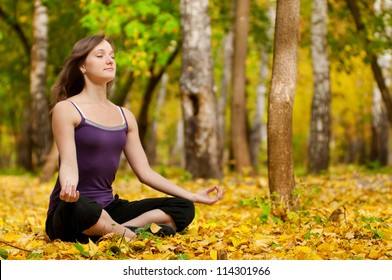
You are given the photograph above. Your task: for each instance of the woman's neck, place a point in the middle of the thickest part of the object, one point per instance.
(95, 93)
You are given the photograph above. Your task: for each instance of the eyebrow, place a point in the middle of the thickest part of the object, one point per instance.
(102, 50)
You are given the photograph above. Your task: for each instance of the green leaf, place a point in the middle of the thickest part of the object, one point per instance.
(81, 249)
(34, 255)
(3, 253)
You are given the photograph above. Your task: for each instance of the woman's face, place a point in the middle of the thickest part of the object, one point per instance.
(99, 66)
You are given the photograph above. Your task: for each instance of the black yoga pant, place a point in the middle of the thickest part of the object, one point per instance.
(69, 220)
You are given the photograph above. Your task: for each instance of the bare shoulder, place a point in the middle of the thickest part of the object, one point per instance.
(128, 114)
(131, 119)
(61, 104)
(65, 111)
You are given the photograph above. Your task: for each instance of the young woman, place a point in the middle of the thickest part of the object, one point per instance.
(91, 133)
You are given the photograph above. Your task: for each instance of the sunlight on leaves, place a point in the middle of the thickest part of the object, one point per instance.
(341, 216)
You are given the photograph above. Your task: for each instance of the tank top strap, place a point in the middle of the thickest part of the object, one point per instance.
(122, 115)
(79, 110)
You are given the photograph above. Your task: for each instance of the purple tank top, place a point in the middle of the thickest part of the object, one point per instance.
(98, 151)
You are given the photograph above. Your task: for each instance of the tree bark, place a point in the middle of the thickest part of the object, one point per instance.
(23, 143)
(202, 147)
(239, 140)
(151, 143)
(40, 121)
(280, 105)
(177, 151)
(379, 151)
(380, 141)
(320, 123)
(225, 84)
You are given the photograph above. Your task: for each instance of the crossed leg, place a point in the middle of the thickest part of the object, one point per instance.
(106, 224)
(153, 216)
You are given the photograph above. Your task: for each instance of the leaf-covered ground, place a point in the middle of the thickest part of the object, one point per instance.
(345, 215)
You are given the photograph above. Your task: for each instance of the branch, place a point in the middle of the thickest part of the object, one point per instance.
(18, 29)
(16, 247)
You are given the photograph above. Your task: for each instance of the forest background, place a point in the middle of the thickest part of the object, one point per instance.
(149, 38)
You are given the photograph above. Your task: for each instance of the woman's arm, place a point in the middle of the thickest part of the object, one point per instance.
(64, 120)
(138, 161)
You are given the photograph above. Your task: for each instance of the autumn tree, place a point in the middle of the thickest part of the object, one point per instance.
(379, 151)
(202, 148)
(281, 99)
(239, 140)
(40, 124)
(15, 79)
(372, 55)
(318, 149)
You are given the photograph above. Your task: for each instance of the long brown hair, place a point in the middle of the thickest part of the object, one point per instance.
(70, 80)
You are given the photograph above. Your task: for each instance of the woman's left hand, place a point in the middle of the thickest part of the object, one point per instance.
(205, 198)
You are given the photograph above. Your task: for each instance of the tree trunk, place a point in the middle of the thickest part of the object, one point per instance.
(225, 83)
(120, 96)
(380, 131)
(40, 123)
(151, 143)
(148, 95)
(320, 123)
(202, 147)
(380, 126)
(280, 105)
(177, 151)
(239, 140)
(23, 143)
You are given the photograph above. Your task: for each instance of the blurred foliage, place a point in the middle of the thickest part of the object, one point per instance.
(146, 32)
(343, 215)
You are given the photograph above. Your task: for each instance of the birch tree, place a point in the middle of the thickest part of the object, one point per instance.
(380, 126)
(202, 148)
(320, 123)
(40, 124)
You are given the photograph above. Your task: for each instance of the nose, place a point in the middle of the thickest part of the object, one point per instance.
(109, 60)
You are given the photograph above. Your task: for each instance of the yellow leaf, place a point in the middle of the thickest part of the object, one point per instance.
(293, 217)
(50, 250)
(303, 249)
(315, 257)
(93, 248)
(31, 220)
(139, 245)
(325, 247)
(231, 248)
(154, 228)
(374, 254)
(238, 241)
(214, 254)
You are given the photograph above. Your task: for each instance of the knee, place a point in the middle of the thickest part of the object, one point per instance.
(187, 212)
(190, 206)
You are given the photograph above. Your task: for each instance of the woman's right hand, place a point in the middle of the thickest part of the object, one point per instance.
(69, 193)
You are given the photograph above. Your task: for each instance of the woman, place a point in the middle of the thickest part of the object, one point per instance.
(91, 133)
